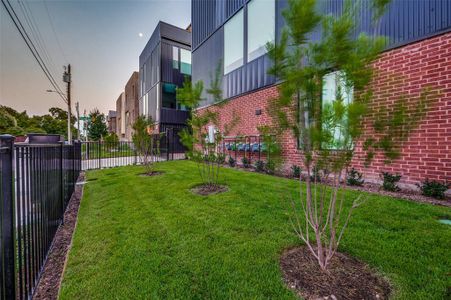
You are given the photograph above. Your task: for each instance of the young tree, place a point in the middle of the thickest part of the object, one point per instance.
(203, 139)
(323, 101)
(147, 145)
(97, 127)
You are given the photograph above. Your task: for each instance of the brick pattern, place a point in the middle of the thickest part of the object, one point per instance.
(403, 71)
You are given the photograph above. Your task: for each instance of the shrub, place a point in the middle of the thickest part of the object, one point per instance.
(246, 162)
(315, 176)
(433, 188)
(390, 181)
(232, 162)
(221, 158)
(271, 166)
(296, 171)
(260, 166)
(354, 177)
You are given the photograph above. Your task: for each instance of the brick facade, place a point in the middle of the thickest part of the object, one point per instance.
(407, 70)
(131, 106)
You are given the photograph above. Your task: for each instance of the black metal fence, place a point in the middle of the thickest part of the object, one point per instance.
(102, 154)
(37, 181)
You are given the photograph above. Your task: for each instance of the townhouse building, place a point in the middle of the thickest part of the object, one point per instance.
(131, 105)
(120, 116)
(111, 121)
(163, 65)
(233, 33)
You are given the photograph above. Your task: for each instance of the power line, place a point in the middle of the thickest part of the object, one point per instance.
(54, 31)
(35, 32)
(32, 47)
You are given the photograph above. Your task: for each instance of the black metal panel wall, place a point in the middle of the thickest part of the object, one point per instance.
(405, 21)
(168, 73)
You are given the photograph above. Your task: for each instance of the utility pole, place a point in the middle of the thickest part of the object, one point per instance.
(67, 78)
(78, 120)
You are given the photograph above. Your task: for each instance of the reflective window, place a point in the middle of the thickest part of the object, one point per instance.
(185, 62)
(175, 58)
(168, 96)
(335, 89)
(261, 24)
(233, 43)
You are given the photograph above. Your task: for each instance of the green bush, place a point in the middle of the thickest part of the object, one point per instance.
(296, 171)
(354, 177)
(390, 181)
(433, 188)
(316, 175)
(246, 162)
(232, 162)
(260, 166)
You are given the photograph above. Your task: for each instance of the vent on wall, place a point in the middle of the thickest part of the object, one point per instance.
(258, 112)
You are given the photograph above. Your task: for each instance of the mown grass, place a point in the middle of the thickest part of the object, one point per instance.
(150, 238)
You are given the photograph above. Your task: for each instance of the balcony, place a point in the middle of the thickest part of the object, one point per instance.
(173, 116)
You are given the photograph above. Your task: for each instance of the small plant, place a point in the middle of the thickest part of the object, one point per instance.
(296, 171)
(221, 158)
(231, 162)
(354, 177)
(260, 166)
(316, 175)
(390, 181)
(246, 162)
(271, 166)
(433, 188)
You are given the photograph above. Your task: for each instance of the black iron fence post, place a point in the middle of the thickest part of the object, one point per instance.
(167, 144)
(100, 159)
(8, 278)
(62, 180)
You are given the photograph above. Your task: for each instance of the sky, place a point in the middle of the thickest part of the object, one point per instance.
(100, 39)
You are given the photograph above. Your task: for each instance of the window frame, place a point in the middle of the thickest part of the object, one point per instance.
(231, 67)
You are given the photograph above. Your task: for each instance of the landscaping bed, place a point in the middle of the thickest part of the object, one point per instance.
(151, 237)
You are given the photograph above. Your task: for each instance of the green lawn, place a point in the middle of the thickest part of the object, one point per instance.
(150, 237)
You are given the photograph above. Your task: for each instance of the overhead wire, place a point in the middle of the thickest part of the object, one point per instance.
(18, 24)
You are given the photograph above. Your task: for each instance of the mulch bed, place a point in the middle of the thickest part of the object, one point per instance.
(49, 283)
(209, 189)
(347, 278)
(150, 174)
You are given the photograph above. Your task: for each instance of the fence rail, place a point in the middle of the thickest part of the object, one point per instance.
(102, 154)
(37, 181)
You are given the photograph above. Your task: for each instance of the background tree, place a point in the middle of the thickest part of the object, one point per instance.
(147, 145)
(97, 127)
(327, 124)
(19, 123)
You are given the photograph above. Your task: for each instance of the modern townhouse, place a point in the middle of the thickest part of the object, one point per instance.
(120, 116)
(233, 33)
(163, 65)
(111, 120)
(131, 106)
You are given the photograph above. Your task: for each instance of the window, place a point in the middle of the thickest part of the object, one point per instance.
(145, 105)
(234, 43)
(261, 24)
(169, 96)
(335, 89)
(175, 58)
(185, 62)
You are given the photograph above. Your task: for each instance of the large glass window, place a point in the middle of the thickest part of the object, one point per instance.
(261, 24)
(335, 89)
(234, 42)
(168, 96)
(185, 62)
(175, 57)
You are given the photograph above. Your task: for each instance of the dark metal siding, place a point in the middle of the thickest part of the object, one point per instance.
(168, 73)
(405, 21)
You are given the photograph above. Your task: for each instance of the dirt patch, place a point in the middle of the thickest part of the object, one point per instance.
(347, 278)
(150, 174)
(209, 189)
(49, 283)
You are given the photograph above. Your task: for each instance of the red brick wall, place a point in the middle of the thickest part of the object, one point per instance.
(403, 71)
